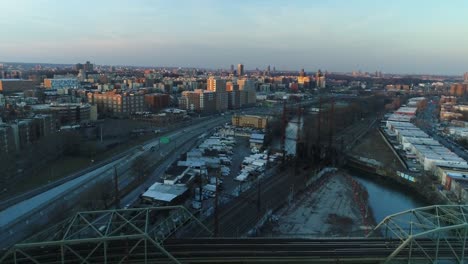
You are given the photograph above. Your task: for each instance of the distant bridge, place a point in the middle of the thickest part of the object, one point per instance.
(432, 234)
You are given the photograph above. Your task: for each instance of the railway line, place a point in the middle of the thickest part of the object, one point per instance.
(229, 250)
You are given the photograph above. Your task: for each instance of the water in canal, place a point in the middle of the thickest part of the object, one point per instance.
(386, 199)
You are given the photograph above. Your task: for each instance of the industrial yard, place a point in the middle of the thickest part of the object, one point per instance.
(226, 160)
(328, 207)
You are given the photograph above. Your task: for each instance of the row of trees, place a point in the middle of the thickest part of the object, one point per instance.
(314, 141)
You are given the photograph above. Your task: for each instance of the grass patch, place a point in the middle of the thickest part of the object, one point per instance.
(67, 165)
(55, 170)
(372, 146)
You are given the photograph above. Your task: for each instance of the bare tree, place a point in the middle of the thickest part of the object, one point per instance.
(139, 167)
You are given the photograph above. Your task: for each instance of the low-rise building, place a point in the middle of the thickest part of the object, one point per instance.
(155, 102)
(256, 140)
(62, 83)
(410, 111)
(429, 153)
(258, 122)
(15, 85)
(67, 113)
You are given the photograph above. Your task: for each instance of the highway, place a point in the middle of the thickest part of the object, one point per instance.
(19, 220)
(27, 216)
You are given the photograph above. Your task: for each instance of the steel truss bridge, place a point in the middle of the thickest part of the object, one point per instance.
(433, 234)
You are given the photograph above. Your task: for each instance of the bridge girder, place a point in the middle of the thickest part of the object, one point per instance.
(86, 234)
(431, 233)
(428, 234)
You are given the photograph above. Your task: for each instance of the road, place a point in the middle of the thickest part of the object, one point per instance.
(19, 220)
(429, 126)
(27, 216)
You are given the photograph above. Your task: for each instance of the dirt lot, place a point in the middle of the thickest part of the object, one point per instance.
(326, 210)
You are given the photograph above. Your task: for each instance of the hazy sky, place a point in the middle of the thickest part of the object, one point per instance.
(401, 36)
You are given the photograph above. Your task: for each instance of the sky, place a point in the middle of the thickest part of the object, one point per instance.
(398, 36)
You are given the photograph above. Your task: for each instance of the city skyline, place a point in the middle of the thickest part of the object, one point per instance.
(337, 36)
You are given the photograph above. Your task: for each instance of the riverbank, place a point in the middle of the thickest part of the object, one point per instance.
(336, 205)
(385, 167)
(424, 192)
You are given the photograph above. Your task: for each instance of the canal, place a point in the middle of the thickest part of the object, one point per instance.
(386, 199)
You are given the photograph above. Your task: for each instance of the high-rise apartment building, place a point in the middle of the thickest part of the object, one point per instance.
(218, 86)
(198, 101)
(240, 69)
(248, 94)
(320, 79)
(117, 103)
(233, 95)
(7, 139)
(155, 102)
(465, 77)
(302, 73)
(87, 67)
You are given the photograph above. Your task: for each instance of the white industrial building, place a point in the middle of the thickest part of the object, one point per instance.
(461, 132)
(400, 118)
(405, 110)
(428, 151)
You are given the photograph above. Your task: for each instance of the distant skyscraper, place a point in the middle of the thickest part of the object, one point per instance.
(268, 69)
(88, 67)
(302, 73)
(274, 69)
(320, 79)
(465, 77)
(232, 68)
(240, 69)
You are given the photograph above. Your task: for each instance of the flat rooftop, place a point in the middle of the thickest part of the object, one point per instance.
(164, 192)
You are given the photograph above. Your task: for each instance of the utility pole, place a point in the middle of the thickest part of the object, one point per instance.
(283, 129)
(116, 188)
(319, 121)
(259, 194)
(298, 138)
(200, 196)
(331, 121)
(317, 145)
(216, 212)
(331, 116)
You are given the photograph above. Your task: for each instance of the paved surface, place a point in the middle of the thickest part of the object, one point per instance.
(429, 126)
(20, 219)
(23, 218)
